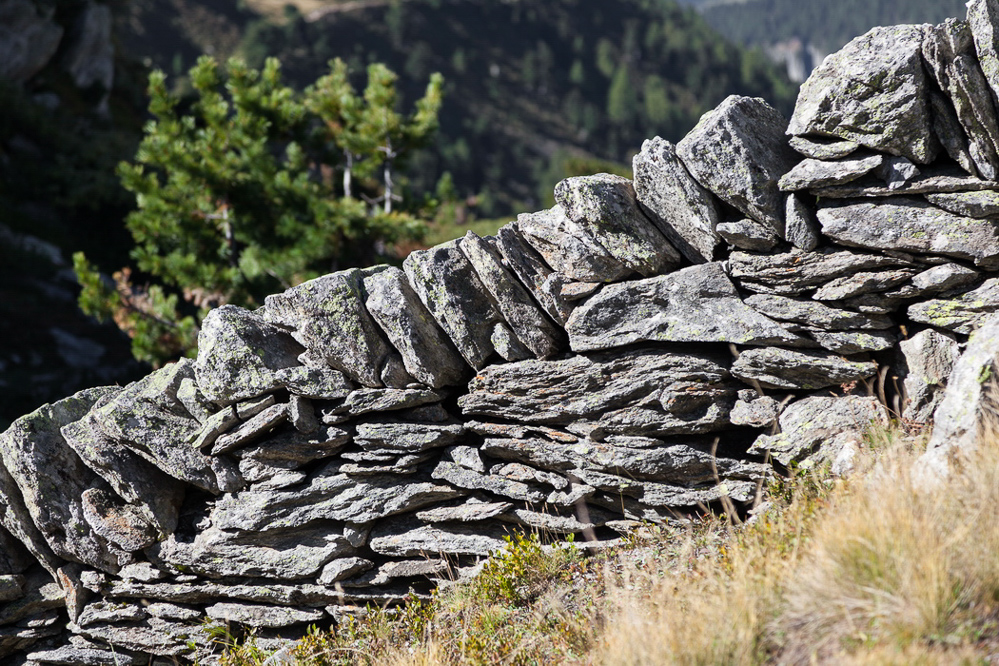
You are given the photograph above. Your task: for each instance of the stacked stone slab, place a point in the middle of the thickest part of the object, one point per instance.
(642, 349)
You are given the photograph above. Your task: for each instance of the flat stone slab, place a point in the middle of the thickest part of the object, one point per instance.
(911, 225)
(797, 272)
(739, 151)
(779, 368)
(812, 173)
(406, 538)
(854, 342)
(801, 225)
(684, 211)
(317, 383)
(863, 283)
(462, 477)
(935, 179)
(983, 204)
(823, 148)
(960, 314)
(696, 304)
(813, 314)
(533, 272)
(272, 617)
(838, 99)
(568, 248)
(407, 437)
(748, 235)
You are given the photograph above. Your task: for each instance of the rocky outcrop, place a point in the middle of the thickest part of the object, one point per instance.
(755, 300)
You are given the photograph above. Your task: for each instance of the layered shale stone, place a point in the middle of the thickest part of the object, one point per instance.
(796, 272)
(754, 410)
(802, 226)
(533, 272)
(328, 317)
(824, 428)
(462, 477)
(983, 204)
(569, 248)
(469, 512)
(983, 17)
(862, 283)
(748, 235)
(929, 359)
(960, 314)
(257, 427)
(696, 304)
(448, 285)
(812, 314)
(291, 449)
(778, 368)
(51, 479)
(896, 172)
(604, 205)
(854, 342)
(428, 354)
(525, 318)
(317, 383)
(342, 568)
(934, 179)
(365, 401)
(822, 148)
(839, 100)
(408, 538)
(119, 523)
(738, 152)
(944, 277)
(194, 401)
(238, 354)
(949, 52)
(407, 437)
(253, 615)
(684, 211)
(810, 173)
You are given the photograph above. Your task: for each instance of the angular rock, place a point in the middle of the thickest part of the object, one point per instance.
(773, 367)
(822, 148)
(696, 304)
(51, 479)
(316, 383)
(11, 587)
(984, 204)
(949, 52)
(546, 523)
(797, 272)
(427, 352)
(405, 538)
(738, 152)
(911, 225)
(15, 558)
(834, 426)
(302, 415)
(364, 401)
(934, 179)
(568, 248)
(82, 656)
(754, 410)
(402, 465)
(947, 127)
(604, 205)
(329, 318)
(896, 172)
(929, 360)
(525, 318)
(291, 449)
(960, 314)
(944, 278)
(577, 291)
(214, 426)
(507, 345)
(684, 211)
(447, 284)
(463, 477)
(748, 235)
(855, 342)
(838, 99)
(343, 568)
(110, 611)
(271, 617)
(122, 524)
(470, 512)
(815, 315)
(257, 427)
(41, 595)
(532, 271)
(407, 437)
(810, 173)
(194, 401)
(983, 17)
(238, 354)
(148, 419)
(862, 283)
(802, 226)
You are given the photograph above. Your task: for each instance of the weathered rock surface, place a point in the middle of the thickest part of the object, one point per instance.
(533, 272)
(854, 342)
(984, 204)
(858, 284)
(933, 179)
(983, 17)
(738, 152)
(696, 304)
(117, 522)
(896, 171)
(407, 538)
(407, 437)
(823, 148)
(838, 99)
(754, 410)
(801, 224)
(929, 359)
(822, 173)
(328, 317)
(319, 383)
(253, 615)
(960, 314)
(748, 235)
(773, 367)
(684, 211)
(569, 248)
(796, 272)
(813, 314)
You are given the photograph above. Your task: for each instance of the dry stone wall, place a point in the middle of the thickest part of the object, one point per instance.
(641, 349)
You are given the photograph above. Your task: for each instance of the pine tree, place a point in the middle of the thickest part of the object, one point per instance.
(236, 198)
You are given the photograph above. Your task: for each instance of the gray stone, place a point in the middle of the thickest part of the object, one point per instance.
(122, 524)
(822, 148)
(328, 496)
(343, 568)
(152, 636)
(469, 512)
(773, 367)
(797, 272)
(546, 523)
(257, 427)
(911, 225)
(532, 271)
(809, 174)
(448, 285)
(949, 52)
(937, 178)
(41, 595)
(929, 360)
(754, 410)
(400, 464)
(748, 235)
(960, 314)
(194, 401)
(468, 457)
(568, 248)
(983, 16)
(141, 571)
(302, 415)
(944, 278)
(519, 431)
(839, 100)
(111, 611)
(238, 354)
(802, 226)
(695, 304)
(815, 315)
(173, 612)
(262, 476)
(391, 571)
(738, 152)
(407, 437)
(465, 478)
(527, 474)
(316, 383)
(364, 401)
(507, 345)
(28, 40)
(524, 317)
(69, 655)
(862, 283)
(825, 428)
(214, 426)
(249, 408)
(291, 449)
(281, 554)
(604, 205)
(947, 128)
(896, 171)
(405, 538)
(51, 479)
(427, 353)
(855, 342)
(329, 318)
(153, 493)
(968, 204)
(257, 590)
(577, 291)
(684, 211)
